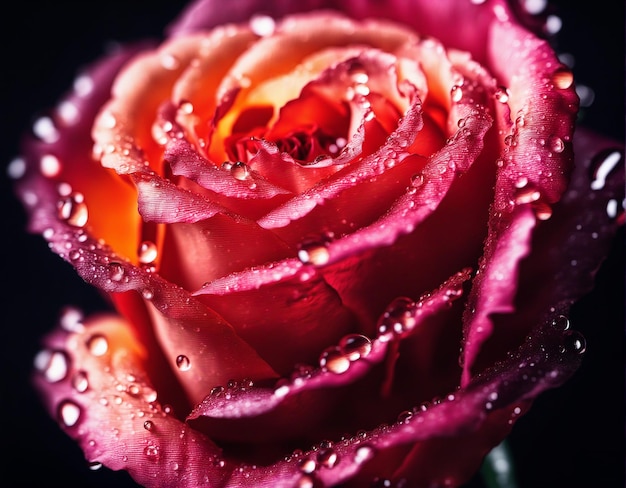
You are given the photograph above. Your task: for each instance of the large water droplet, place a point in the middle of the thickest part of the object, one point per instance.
(602, 165)
(562, 78)
(98, 345)
(327, 457)
(560, 323)
(240, 171)
(147, 252)
(183, 363)
(73, 210)
(46, 130)
(69, 413)
(307, 465)
(456, 93)
(116, 271)
(363, 453)
(355, 346)
(314, 252)
(80, 383)
(502, 94)
(148, 425)
(151, 451)
(334, 361)
(398, 317)
(556, 144)
(262, 25)
(54, 365)
(575, 341)
(71, 320)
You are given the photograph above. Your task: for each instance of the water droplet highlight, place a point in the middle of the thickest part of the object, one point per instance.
(183, 363)
(73, 210)
(54, 365)
(355, 346)
(147, 252)
(562, 78)
(602, 165)
(575, 341)
(69, 413)
(334, 361)
(314, 252)
(98, 345)
(80, 383)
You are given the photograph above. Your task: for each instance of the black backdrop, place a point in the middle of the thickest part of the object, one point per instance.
(573, 437)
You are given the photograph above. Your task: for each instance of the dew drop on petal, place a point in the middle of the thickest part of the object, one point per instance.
(602, 165)
(45, 129)
(94, 465)
(560, 323)
(68, 413)
(456, 93)
(562, 78)
(556, 144)
(183, 363)
(355, 346)
(363, 453)
(148, 425)
(334, 361)
(502, 94)
(262, 25)
(147, 252)
(240, 171)
(417, 180)
(307, 465)
(49, 165)
(314, 252)
(98, 345)
(398, 317)
(73, 210)
(71, 320)
(535, 7)
(327, 457)
(575, 341)
(116, 271)
(151, 451)
(80, 383)
(54, 365)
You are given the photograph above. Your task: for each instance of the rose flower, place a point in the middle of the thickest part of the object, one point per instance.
(340, 242)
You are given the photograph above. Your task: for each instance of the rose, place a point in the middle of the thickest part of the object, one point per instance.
(155, 447)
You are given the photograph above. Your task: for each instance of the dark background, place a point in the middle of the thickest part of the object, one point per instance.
(573, 437)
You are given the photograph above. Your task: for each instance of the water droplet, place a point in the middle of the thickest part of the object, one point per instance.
(306, 482)
(69, 413)
(80, 382)
(556, 144)
(147, 293)
(54, 365)
(169, 61)
(314, 252)
(327, 457)
(417, 180)
(240, 171)
(560, 323)
(262, 25)
(307, 465)
(98, 345)
(602, 165)
(149, 394)
(334, 361)
(575, 341)
(185, 107)
(45, 129)
(116, 271)
(147, 252)
(543, 211)
(527, 194)
(502, 94)
(355, 346)
(405, 417)
(553, 24)
(94, 465)
(398, 317)
(151, 451)
(363, 453)
(562, 78)
(73, 210)
(71, 320)
(456, 93)
(148, 425)
(183, 363)
(108, 120)
(535, 7)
